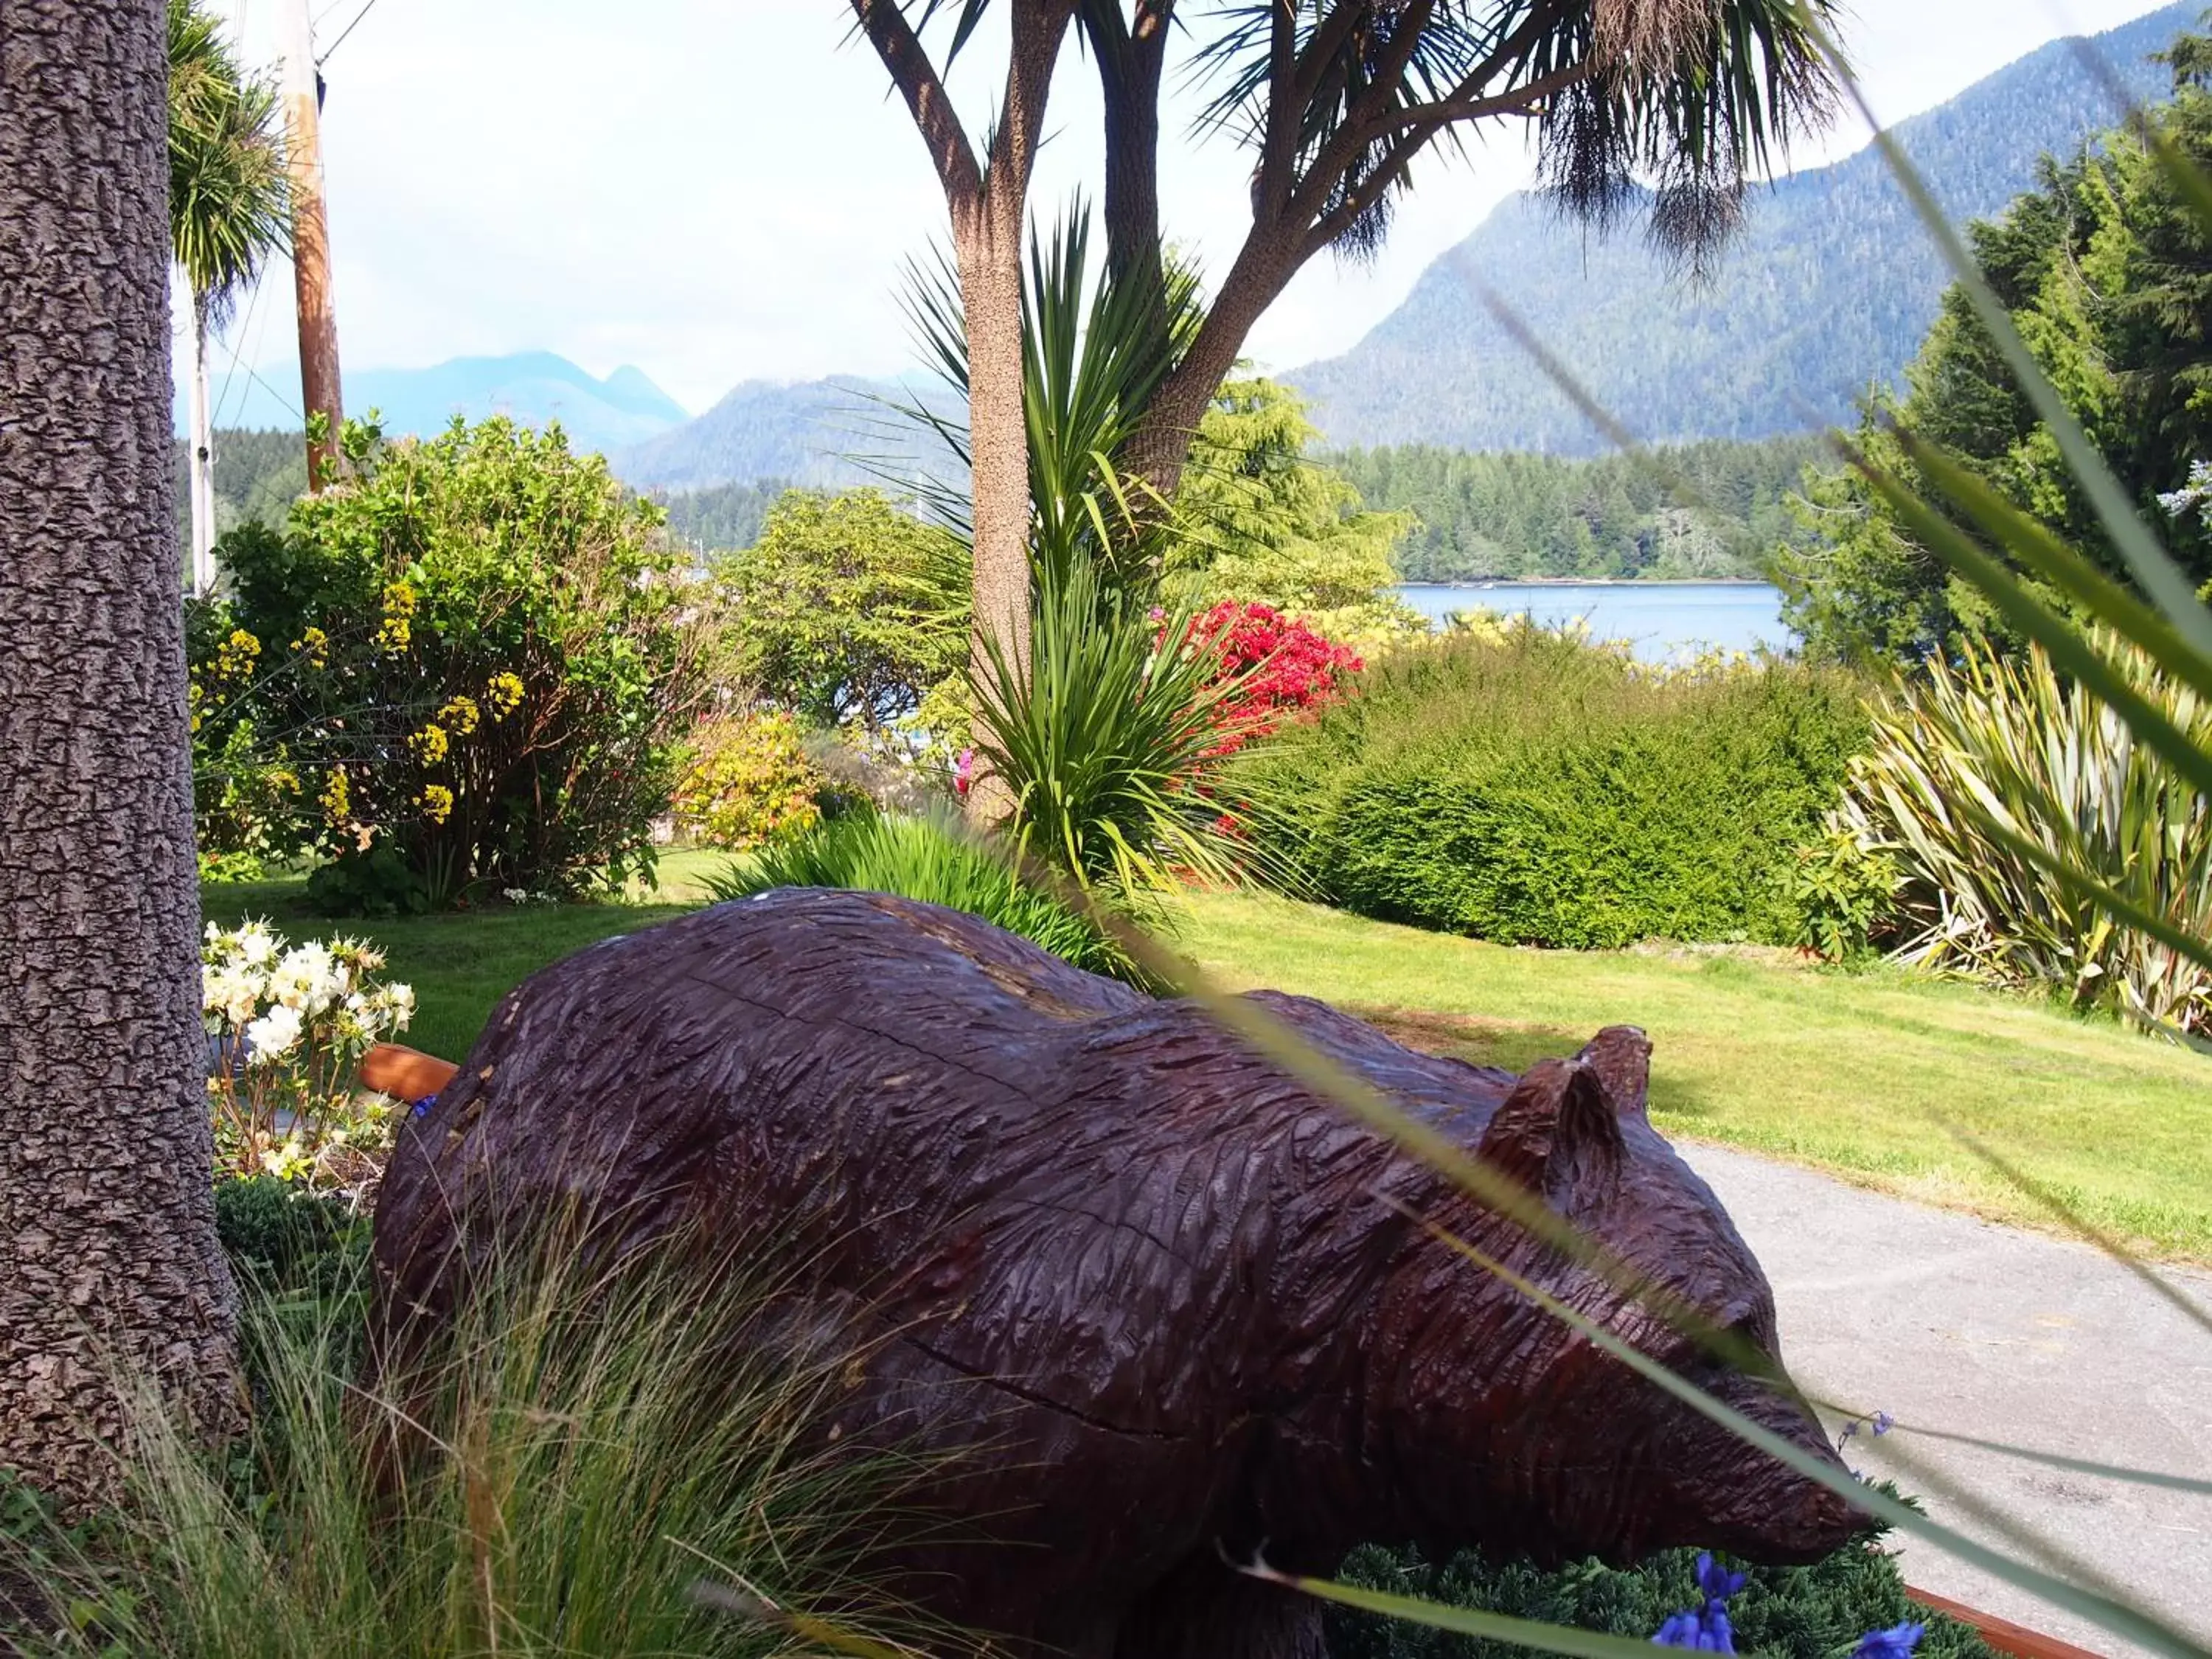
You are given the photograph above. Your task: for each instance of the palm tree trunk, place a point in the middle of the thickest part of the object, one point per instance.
(989, 256)
(203, 468)
(108, 1256)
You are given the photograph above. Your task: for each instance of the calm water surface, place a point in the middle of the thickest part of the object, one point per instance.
(1661, 620)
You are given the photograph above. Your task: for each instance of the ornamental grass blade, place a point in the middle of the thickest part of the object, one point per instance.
(1465, 1621)
(2120, 1472)
(2081, 1225)
(2118, 905)
(2033, 543)
(2154, 569)
(2188, 180)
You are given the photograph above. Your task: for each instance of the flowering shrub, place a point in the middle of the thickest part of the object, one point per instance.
(1707, 1629)
(288, 1026)
(476, 653)
(749, 782)
(1281, 669)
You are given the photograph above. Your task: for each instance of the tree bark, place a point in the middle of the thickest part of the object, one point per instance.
(108, 1256)
(202, 457)
(989, 256)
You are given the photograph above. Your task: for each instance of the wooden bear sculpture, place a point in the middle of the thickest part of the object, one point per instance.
(1170, 1304)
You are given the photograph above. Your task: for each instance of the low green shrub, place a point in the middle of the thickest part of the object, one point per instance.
(1538, 789)
(1788, 1613)
(280, 1237)
(747, 781)
(919, 858)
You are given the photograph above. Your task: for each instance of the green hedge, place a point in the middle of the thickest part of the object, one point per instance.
(1544, 791)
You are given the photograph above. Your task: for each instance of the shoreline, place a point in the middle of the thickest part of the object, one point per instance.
(1482, 582)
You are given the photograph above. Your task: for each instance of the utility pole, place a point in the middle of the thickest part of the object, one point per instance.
(311, 235)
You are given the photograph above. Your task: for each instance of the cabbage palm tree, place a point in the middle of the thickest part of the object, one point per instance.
(227, 213)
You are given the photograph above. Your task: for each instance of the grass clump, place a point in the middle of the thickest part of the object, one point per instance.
(921, 858)
(555, 1477)
(1541, 790)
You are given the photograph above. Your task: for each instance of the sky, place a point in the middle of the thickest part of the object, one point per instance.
(718, 190)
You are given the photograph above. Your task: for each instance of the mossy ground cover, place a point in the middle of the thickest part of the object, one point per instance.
(1857, 1074)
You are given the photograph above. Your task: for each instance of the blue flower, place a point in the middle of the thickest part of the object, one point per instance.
(1717, 1582)
(1895, 1642)
(1883, 1422)
(1706, 1629)
(422, 1107)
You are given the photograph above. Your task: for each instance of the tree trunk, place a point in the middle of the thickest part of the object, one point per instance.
(1157, 450)
(203, 458)
(108, 1256)
(990, 259)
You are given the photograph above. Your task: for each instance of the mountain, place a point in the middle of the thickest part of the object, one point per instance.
(834, 431)
(1829, 288)
(533, 386)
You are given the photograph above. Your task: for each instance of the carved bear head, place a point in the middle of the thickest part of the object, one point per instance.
(1509, 1427)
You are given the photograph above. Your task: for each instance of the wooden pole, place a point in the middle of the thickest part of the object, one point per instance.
(311, 238)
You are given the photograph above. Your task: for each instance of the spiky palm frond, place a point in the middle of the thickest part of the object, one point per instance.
(1690, 97)
(1094, 350)
(1108, 739)
(229, 205)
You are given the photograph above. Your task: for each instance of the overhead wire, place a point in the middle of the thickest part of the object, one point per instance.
(326, 57)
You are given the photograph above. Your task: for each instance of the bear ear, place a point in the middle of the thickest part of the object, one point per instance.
(1555, 1129)
(1621, 1057)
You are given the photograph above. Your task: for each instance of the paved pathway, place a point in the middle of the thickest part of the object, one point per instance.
(1962, 1324)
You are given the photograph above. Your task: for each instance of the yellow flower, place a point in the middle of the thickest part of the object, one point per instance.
(461, 715)
(429, 745)
(235, 657)
(436, 802)
(399, 613)
(336, 802)
(503, 695)
(315, 646)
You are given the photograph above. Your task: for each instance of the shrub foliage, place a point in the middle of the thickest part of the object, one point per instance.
(747, 781)
(1545, 791)
(1791, 1613)
(474, 655)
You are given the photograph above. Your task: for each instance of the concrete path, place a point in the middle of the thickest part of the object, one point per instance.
(1960, 1325)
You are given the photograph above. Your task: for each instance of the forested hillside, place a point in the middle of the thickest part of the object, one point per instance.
(722, 518)
(1829, 289)
(1522, 515)
(837, 431)
(257, 476)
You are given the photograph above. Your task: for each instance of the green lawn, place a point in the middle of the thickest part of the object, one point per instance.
(1856, 1074)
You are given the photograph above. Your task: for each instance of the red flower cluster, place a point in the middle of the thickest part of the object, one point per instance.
(1292, 670)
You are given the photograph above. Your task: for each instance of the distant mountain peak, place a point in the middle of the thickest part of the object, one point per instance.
(534, 387)
(1828, 290)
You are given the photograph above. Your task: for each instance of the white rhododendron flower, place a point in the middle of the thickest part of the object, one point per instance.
(274, 1035)
(229, 992)
(257, 944)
